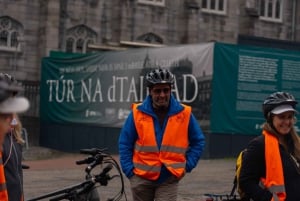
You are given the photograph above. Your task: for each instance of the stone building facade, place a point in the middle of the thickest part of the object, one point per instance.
(30, 29)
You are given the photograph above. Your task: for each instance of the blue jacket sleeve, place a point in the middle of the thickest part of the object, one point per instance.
(127, 140)
(196, 144)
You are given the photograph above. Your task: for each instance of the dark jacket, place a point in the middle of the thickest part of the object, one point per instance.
(12, 160)
(253, 168)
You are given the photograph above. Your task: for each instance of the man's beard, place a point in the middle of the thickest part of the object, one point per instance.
(160, 107)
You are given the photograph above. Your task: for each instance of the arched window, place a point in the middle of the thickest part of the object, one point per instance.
(87, 44)
(69, 45)
(14, 39)
(79, 45)
(11, 32)
(3, 38)
(78, 38)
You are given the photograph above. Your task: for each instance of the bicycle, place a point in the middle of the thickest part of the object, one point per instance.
(87, 190)
(232, 196)
(220, 197)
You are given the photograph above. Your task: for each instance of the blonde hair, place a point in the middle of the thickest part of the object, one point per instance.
(17, 131)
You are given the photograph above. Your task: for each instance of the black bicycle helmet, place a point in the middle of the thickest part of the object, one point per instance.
(277, 99)
(159, 76)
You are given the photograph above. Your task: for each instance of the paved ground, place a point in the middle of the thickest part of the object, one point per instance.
(50, 171)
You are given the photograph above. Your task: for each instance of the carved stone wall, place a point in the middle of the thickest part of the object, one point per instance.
(46, 26)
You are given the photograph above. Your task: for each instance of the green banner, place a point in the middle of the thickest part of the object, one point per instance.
(100, 88)
(243, 77)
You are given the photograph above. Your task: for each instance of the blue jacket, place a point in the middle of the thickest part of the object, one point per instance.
(129, 135)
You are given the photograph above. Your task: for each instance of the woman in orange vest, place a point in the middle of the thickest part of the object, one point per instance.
(159, 142)
(12, 153)
(9, 105)
(270, 168)
(12, 160)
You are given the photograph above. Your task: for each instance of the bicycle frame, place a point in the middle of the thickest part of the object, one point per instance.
(221, 197)
(70, 193)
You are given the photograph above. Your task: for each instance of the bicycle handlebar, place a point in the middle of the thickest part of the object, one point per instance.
(96, 158)
(85, 161)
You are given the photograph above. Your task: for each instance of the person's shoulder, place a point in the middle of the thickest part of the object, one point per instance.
(257, 143)
(257, 140)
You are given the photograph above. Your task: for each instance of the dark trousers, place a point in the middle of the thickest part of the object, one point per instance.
(146, 190)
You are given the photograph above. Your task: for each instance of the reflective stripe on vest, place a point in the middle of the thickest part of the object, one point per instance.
(274, 180)
(3, 190)
(147, 158)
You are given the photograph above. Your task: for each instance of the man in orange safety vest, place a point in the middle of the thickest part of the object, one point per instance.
(160, 141)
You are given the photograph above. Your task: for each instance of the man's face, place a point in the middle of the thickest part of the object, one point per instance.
(160, 94)
(5, 120)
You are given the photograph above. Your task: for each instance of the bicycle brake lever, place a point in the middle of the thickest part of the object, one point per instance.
(97, 160)
(103, 177)
(106, 170)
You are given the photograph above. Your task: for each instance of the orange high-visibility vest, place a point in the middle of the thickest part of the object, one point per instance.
(274, 180)
(3, 190)
(147, 158)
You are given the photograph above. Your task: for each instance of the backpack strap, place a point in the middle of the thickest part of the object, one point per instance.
(234, 186)
(237, 174)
